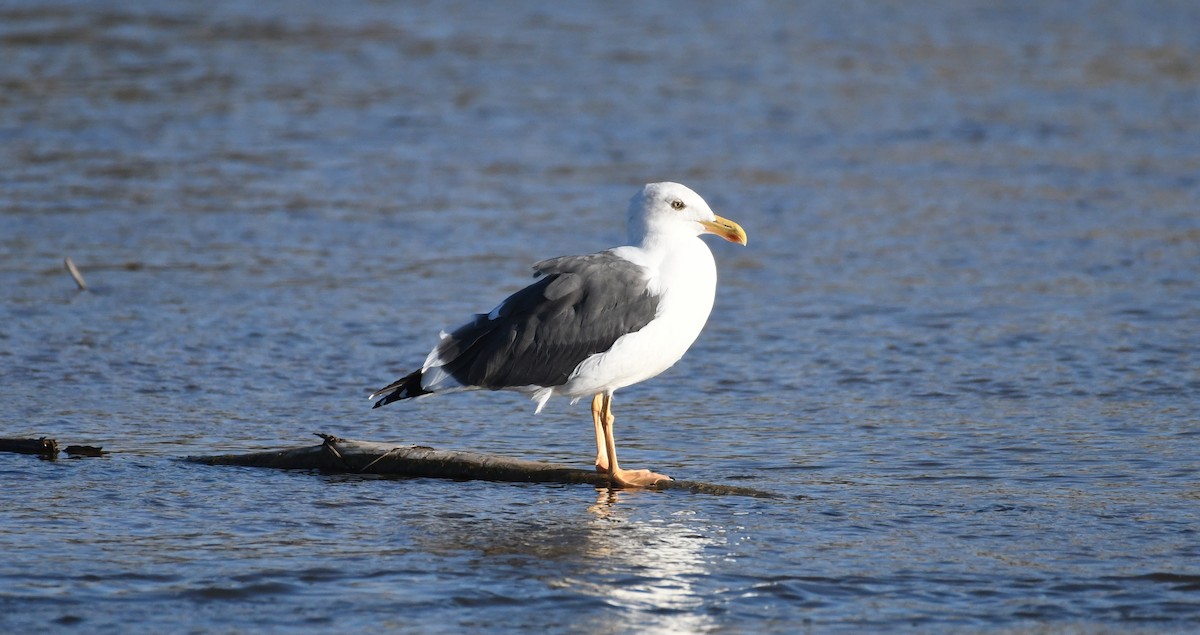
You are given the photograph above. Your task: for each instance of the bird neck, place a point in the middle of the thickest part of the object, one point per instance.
(658, 244)
(671, 255)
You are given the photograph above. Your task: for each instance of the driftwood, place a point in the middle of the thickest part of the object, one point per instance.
(389, 459)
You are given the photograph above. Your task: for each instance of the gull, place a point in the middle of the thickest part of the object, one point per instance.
(590, 325)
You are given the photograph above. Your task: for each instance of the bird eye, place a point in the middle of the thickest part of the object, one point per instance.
(677, 204)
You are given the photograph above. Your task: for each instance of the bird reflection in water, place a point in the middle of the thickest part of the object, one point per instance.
(643, 564)
(606, 499)
(668, 556)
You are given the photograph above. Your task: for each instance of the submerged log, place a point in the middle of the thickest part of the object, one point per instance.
(389, 459)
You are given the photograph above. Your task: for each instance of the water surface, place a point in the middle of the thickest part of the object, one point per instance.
(961, 344)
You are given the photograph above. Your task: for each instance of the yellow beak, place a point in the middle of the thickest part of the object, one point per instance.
(726, 229)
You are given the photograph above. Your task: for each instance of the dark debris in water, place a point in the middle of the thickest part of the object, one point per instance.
(43, 446)
(47, 448)
(84, 450)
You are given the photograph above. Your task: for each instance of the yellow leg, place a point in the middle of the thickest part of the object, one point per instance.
(623, 478)
(601, 446)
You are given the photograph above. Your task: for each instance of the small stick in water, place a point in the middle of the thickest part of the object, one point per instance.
(75, 275)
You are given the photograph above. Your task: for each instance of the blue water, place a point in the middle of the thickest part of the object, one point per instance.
(961, 343)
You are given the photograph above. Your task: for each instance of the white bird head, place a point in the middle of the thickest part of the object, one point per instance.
(668, 209)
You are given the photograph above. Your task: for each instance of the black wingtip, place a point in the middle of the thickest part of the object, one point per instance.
(404, 388)
(395, 395)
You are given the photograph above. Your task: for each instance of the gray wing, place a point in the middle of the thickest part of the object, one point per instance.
(579, 306)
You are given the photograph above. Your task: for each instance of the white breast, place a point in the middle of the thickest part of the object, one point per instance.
(684, 276)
